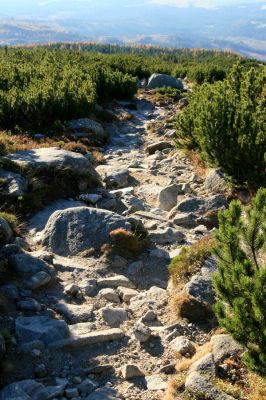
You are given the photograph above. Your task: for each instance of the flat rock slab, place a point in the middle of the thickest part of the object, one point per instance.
(30, 390)
(115, 281)
(155, 382)
(104, 393)
(75, 313)
(41, 328)
(51, 157)
(92, 338)
(75, 230)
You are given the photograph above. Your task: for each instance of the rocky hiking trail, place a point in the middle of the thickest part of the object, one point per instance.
(88, 325)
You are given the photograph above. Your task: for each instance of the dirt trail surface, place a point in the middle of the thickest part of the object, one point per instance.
(116, 323)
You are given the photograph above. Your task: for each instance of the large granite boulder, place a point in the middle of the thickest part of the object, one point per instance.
(56, 158)
(87, 128)
(69, 232)
(164, 80)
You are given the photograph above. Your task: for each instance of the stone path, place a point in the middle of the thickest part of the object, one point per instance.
(114, 337)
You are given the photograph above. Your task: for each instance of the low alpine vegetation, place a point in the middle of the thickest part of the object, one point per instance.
(240, 283)
(226, 121)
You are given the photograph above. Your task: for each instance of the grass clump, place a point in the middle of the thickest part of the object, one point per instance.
(173, 93)
(190, 259)
(12, 220)
(125, 243)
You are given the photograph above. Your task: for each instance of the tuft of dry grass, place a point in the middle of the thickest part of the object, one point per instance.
(175, 387)
(125, 243)
(199, 166)
(13, 143)
(201, 351)
(12, 220)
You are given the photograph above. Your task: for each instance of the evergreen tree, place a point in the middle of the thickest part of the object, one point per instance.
(240, 283)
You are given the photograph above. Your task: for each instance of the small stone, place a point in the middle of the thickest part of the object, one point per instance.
(40, 371)
(71, 393)
(29, 305)
(131, 371)
(114, 317)
(149, 317)
(87, 386)
(156, 382)
(127, 294)
(72, 290)
(142, 333)
(35, 353)
(90, 198)
(110, 295)
(183, 346)
(38, 280)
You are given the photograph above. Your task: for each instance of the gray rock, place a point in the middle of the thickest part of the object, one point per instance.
(134, 204)
(130, 371)
(167, 236)
(90, 198)
(114, 317)
(5, 232)
(164, 80)
(204, 366)
(142, 333)
(26, 348)
(40, 370)
(199, 386)
(135, 267)
(117, 179)
(87, 128)
(87, 386)
(30, 390)
(9, 291)
(201, 205)
(158, 146)
(41, 328)
(38, 280)
(215, 182)
(81, 337)
(71, 393)
(167, 198)
(110, 294)
(115, 281)
(27, 265)
(156, 382)
(149, 317)
(29, 305)
(200, 287)
(186, 220)
(74, 313)
(224, 346)
(127, 294)
(159, 253)
(183, 346)
(72, 290)
(104, 393)
(14, 185)
(74, 230)
(53, 157)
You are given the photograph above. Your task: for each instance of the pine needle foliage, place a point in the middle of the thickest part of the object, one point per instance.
(240, 283)
(226, 121)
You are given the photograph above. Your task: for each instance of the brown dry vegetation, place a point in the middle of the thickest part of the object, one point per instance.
(190, 260)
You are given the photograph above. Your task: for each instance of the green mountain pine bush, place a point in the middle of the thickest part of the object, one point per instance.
(240, 283)
(227, 122)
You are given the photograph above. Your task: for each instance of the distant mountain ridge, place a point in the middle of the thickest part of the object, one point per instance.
(241, 28)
